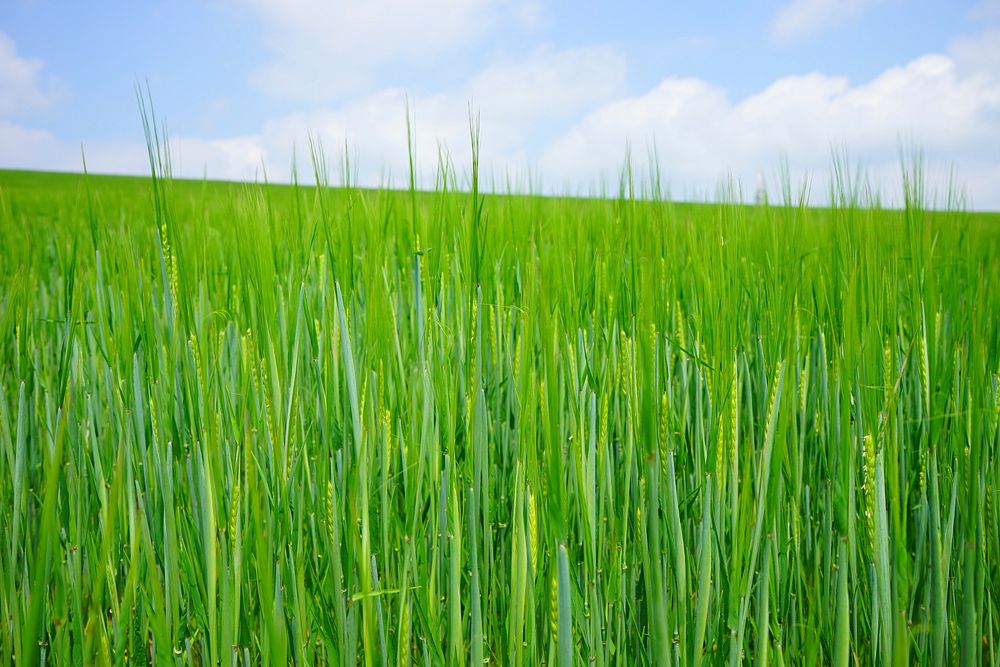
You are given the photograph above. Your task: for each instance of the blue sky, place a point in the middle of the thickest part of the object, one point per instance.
(721, 89)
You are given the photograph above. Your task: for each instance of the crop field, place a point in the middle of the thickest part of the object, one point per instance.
(271, 424)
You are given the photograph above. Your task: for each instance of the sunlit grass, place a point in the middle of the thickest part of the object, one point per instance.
(247, 424)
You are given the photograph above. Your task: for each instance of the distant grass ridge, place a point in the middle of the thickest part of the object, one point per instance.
(256, 424)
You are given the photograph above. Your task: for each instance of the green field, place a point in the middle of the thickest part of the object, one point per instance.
(246, 424)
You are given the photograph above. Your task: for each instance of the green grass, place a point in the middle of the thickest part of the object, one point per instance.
(247, 424)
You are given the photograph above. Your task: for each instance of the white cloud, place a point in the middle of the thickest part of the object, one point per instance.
(548, 84)
(21, 88)
(562, 114)
(950, 113)
(324, 48)
(519, 102)
(800, 18)
(979, 53)
(26, 148)
(235, 158)
(29, 148)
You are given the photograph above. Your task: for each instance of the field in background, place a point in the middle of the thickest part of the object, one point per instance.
(248, 424)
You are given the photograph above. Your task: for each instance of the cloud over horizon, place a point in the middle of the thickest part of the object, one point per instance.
(929, 103)
(563, 116)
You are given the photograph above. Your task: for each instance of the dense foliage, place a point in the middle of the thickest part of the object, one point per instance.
(246, 424)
